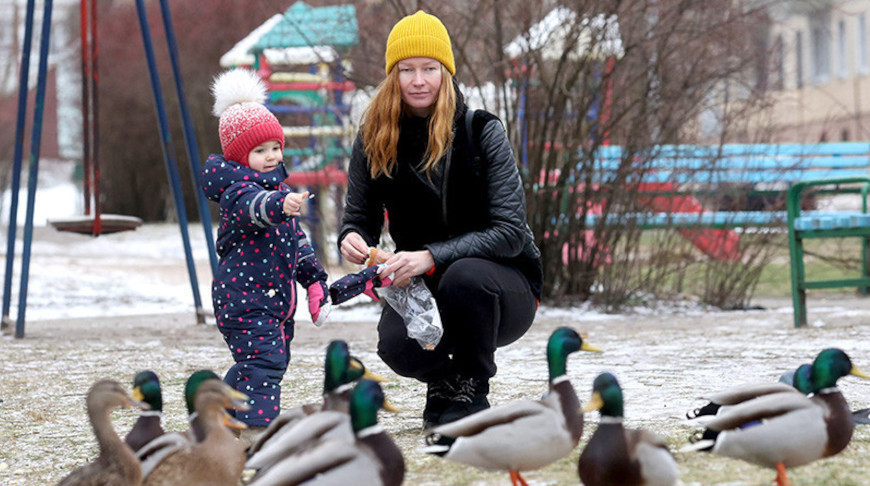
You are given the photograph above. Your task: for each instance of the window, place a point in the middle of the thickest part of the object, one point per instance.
(842, 65)
(777, 68)
(820, 50)
(861, 50)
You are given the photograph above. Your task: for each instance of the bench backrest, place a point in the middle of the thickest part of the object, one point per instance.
(739, 163)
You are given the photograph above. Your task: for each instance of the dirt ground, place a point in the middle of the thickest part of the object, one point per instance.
(664, 359)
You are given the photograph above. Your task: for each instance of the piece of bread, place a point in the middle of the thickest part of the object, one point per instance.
(376, 257)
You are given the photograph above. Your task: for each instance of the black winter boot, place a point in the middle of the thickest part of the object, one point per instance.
(470, 397)
(439, 396)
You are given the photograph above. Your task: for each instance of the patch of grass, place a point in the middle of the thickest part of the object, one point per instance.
(775, 280)
(824, 259)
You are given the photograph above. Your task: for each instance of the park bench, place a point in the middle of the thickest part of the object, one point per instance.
(677, 178)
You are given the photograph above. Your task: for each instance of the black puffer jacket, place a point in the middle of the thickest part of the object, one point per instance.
(472, 206)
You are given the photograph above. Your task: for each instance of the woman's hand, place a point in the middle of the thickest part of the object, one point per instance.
(354, 248)
(407, 264)
(293, 203)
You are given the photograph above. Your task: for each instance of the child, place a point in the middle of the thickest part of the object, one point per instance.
(263, 251)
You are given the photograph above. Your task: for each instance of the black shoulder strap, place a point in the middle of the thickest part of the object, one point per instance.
(469, 132)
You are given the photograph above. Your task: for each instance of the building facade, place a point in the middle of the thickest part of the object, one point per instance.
(819, 71)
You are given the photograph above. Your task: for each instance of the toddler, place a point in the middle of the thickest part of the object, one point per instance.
(263, 251)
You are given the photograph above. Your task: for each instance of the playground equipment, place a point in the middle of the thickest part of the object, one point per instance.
(299, 55)
(97, 223)
(92, 223)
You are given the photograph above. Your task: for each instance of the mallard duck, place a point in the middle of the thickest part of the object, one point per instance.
(332, 424)
(786, 430)
(218, 459)
(619, 456)
(372, 459)
(797, 380)
(859, 417)
(152, 453)
(196, 431)
(525, 434)
(146, 388)
(116, 463)
(341, 370)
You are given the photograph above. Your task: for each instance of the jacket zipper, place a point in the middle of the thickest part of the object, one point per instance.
(447, 159)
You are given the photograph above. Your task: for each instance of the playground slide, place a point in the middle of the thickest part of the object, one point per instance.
(720, 244)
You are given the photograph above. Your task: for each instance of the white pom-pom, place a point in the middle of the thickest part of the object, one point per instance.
(236, 86)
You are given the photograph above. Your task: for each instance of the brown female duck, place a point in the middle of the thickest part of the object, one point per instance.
(218, 459)
(116, 463)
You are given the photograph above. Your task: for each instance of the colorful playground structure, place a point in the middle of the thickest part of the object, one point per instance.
(301, 55)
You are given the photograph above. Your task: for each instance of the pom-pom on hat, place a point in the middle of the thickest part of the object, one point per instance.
(419, 35)
(245, 122)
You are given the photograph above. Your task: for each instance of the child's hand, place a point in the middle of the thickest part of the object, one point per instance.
(293, 203)
(318, 302)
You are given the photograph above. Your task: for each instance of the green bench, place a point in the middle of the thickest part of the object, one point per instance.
(794, 172)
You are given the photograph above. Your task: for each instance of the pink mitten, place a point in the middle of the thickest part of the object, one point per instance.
(380, 281)
(318, 302)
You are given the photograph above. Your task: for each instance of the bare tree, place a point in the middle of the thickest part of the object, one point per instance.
(577, 75)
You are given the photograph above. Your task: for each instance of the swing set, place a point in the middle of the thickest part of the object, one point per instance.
(94, 222)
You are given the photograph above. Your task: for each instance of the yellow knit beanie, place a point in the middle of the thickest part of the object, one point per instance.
(419, 35)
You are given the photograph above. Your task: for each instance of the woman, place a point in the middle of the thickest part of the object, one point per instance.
(456, 214)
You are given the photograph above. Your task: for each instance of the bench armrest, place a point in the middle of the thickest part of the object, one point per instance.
(793, 203)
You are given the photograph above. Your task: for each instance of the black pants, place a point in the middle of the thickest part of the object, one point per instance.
(483, 305)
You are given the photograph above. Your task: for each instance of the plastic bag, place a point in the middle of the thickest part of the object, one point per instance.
(415, 303)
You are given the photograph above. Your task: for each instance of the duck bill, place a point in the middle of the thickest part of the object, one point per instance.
(855, 371)
(595, 403)
(232, 423)
(236, 400)
(132, 403)
(374, 377)
(588, 347)
(137, 394)
(389, 407)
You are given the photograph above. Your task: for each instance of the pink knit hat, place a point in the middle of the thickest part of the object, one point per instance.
(244, 121)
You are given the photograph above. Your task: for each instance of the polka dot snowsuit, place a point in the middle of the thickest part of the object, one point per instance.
(263, 252)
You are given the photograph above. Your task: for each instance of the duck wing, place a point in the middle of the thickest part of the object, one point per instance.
(519, 436)
(719, 401)
(285, 419)
(742, 393)
(657, 464)
(762, 408)
(325, 460)
(153, 453)
(490, 417)
(310, 430)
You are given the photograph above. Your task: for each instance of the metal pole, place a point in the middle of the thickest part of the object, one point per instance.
(169, 157)
(16, 161)
(189, 135)
(87, 160)
(95, 123)
(38, 109)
